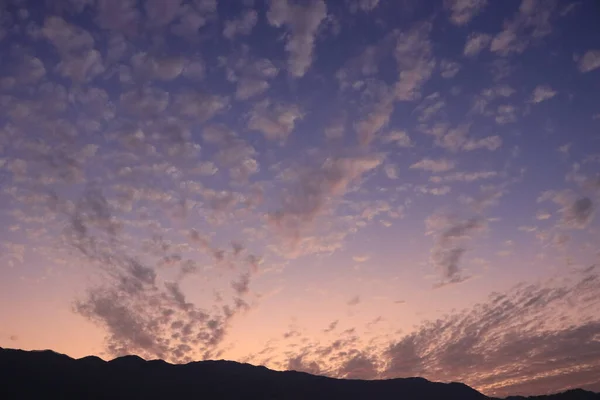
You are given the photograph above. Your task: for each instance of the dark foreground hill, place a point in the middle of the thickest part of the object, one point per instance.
(49, 375)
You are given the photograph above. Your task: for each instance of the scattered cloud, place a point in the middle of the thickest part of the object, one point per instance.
(435, 166)
(589, 61)
(353, 301)
(450, 235)
(399, 138)
(462, 11)
(415, 61)
(275, 120)
(476, 42)
(362, 5)
(313, 191)
(449, 68)
(242, 25)
(542, 93)
(302, 22)
(533, 21)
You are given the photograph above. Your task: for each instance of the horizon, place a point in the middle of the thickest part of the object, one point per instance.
(357, 189)
(135, 356)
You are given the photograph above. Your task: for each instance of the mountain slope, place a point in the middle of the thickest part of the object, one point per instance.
(45, 374)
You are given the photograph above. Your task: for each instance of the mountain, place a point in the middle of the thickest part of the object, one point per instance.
(46, 374)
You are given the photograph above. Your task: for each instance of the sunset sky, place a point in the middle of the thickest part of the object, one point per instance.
(354, 188)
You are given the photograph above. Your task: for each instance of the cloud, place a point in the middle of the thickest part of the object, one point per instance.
(464, 176)
(79, 60)
(353, 301)
(275, 121)
(251, 74)
(436, 166)
(377, 119)
(118, 15)
(242, 25)
(590, 61)
(234, 153)
(462, 11)
(391, 171)
(542, 93)
(313, 191)
(362, 5)
(359, 366)
(160, 13)
(506, 114)
(577, 211)
(331, 327)
(399, 138)
(148, 67)
(490, 143)
(450, 235)
(435, 191)
(415, 61)
(66, 37)
(198, 106)
(457, 139)
(476, 42)
(534, 338)
(496, 347)
(531, 22)
(298, 364)
(449, 69)
(29, 70)
(302, 23)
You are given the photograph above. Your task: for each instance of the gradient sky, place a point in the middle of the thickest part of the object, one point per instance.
(355, 188)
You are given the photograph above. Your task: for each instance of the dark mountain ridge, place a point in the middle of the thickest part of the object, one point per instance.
(46, 374)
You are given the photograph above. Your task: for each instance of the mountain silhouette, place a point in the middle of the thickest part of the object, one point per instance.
(46, 374)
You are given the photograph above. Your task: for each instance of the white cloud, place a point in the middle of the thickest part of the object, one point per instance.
(475, 43)
(66, 37)
(435, 191)
(313, 192)
(200, 106)
(506, 114)
(275, 121)
(590, 61)
(161, 12)
(368, 5)
(531, 22)
(542, 93)
(242, 25)
(118, 15)
(490, 143)
(362, 5)
(431, 165)
(377, 119)
(302, 21)
(415, 61)
(391, 171)
(462, 11)
(464, 176)
(399, 138)
(449, 68)
(248, 87)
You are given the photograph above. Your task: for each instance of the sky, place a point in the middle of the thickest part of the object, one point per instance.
(352, 188)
